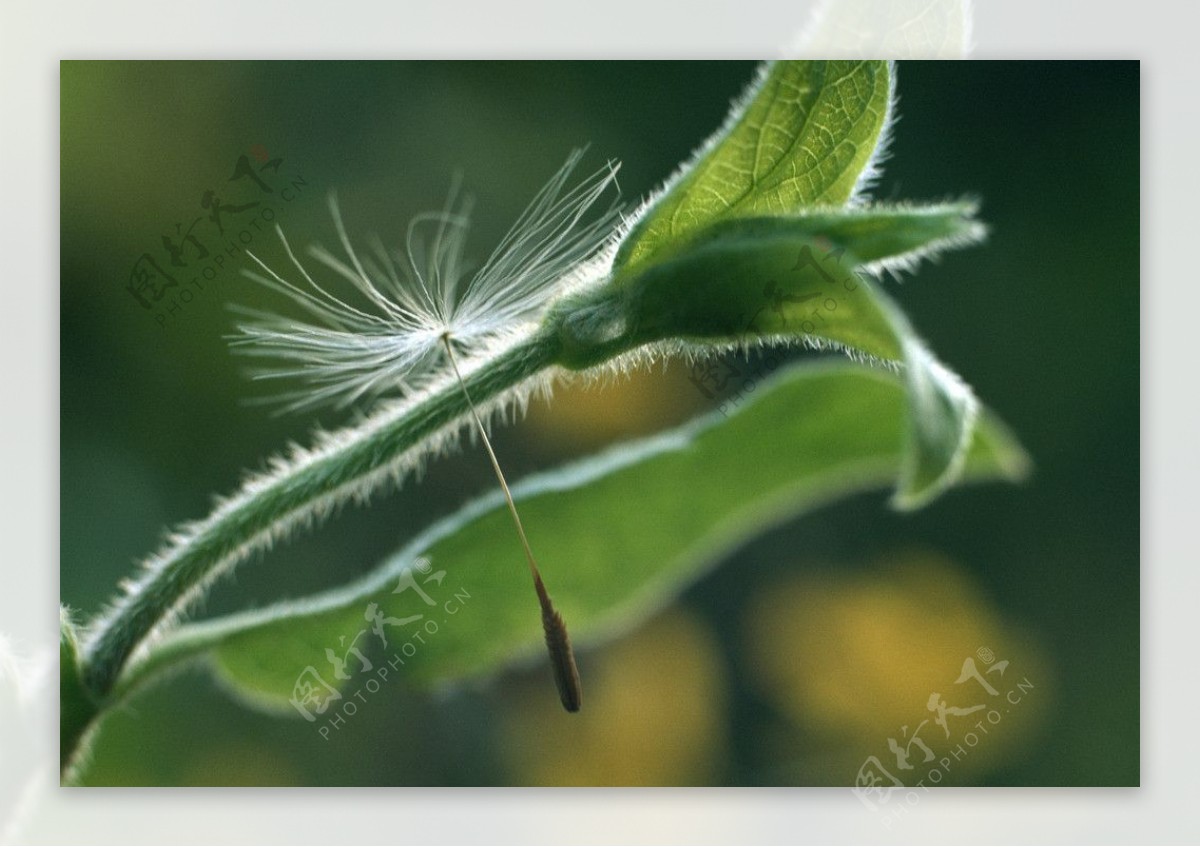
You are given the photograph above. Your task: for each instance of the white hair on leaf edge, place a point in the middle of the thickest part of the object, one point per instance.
(872, 171)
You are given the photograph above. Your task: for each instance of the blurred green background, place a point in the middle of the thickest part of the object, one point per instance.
(806, 650)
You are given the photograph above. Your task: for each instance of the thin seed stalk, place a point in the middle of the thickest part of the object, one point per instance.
(558, 642)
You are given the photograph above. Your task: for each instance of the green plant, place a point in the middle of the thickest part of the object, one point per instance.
(760, 240)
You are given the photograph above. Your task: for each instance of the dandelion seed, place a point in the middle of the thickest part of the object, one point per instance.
(558, 642)
(390, 342)
(421, 310)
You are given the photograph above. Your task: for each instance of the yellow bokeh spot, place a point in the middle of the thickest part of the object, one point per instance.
(586, 415)
(852, 659)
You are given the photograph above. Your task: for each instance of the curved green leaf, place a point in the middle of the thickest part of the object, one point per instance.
(886, 235)
(617, 536)
(794, 279)
(802, 136)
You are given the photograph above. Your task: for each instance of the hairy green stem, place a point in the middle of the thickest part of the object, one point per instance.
(252, 522)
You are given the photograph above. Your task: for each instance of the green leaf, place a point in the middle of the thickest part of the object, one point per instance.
(794, 279)
(802, 136)
(617, 536)
(887, 236)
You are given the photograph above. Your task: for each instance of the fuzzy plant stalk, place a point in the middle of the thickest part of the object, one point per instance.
(726, 256)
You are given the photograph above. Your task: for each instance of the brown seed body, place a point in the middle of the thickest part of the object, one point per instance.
(562, 657)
